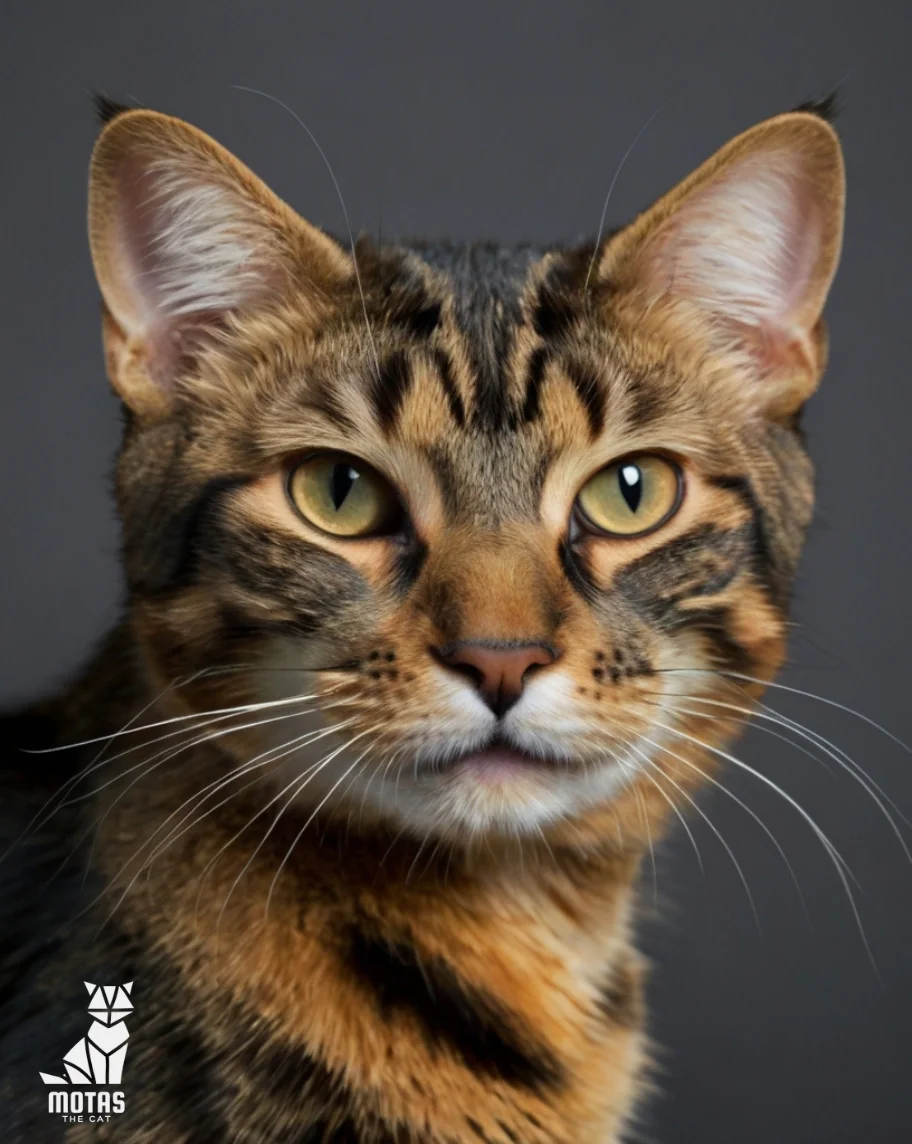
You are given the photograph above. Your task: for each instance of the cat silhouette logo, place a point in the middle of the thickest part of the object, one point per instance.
(97, 1059)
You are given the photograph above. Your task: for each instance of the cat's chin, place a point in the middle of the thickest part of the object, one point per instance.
(496, 789)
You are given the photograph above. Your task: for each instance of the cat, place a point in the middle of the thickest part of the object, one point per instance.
(452, 570)
(98, 1058)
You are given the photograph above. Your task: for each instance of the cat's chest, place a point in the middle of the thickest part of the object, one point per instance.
(443, 1012)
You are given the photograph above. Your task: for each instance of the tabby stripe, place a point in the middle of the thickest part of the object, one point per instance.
(389, 390)
(407, 565)
(561, 298)
(325, 399)
(535, 377)
(552, 315)
(764, 562)
(161, 553)
(645, 404)
(478, 1130)
(700, 562)
(588, 387)
(451, 1013)
(239, 629)
(716, 623)
(272, 566)
(454, 400)
(577, 573)
(619, 1000)
(422, 321)
(289, 1083)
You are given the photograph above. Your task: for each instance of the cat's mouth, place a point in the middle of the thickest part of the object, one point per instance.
(501, 760)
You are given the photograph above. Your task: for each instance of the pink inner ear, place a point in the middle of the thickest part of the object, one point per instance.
(189, 250)
(140, 219)
(745, 247)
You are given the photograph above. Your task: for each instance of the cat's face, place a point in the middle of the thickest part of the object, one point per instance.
(515, 520)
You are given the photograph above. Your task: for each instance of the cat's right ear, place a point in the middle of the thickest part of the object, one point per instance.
(184, 236)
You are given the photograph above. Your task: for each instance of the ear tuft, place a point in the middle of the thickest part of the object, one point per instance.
(107, 109)
(827, 107)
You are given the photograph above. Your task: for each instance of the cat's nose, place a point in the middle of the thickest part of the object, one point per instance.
(498, 670)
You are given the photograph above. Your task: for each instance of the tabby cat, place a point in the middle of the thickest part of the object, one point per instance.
(452, 571)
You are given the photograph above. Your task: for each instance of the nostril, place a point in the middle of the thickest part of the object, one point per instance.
(498, 670)
(475, 674)
(448, 657)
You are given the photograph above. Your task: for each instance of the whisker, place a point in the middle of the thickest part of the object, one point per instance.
(265, 758)
(794, 691)
(318, 807)
(421, 845)
(73, 780)
(204, 721)
(848, 764)
(145, 768)
(684, 823)
(641, 805)
(242, 709)
(839, 863)
(705, 777)
(718, 833)
(287, 749)
(620, 167)
(296, 786)
(351, 237)
(237, 773)
(207, 737)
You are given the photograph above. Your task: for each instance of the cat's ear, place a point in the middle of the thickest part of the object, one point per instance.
(746, 248)
(183, 236)
(89, 986)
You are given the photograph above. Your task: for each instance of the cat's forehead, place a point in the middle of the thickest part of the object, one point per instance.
(491, 296)
(480, 365)
(522, 368)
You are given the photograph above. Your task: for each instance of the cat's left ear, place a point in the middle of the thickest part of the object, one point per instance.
(746, 248)
(184, 237)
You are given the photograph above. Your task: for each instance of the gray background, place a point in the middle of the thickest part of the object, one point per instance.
(509, 120)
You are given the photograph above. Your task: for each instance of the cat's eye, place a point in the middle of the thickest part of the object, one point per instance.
(631, 497)
(343, 496)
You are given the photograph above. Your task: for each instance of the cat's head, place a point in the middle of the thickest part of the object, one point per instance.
(109, 1003)
(519, 522)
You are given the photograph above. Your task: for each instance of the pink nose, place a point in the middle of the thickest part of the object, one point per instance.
(498, 670)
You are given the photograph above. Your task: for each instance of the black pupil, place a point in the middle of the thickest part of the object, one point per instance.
(630, 479)
(341, 480)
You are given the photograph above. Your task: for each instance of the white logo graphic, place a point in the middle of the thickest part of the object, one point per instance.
(99, 1057)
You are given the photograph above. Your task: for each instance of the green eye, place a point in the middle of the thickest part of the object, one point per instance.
(343, 496)
(633, 496)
